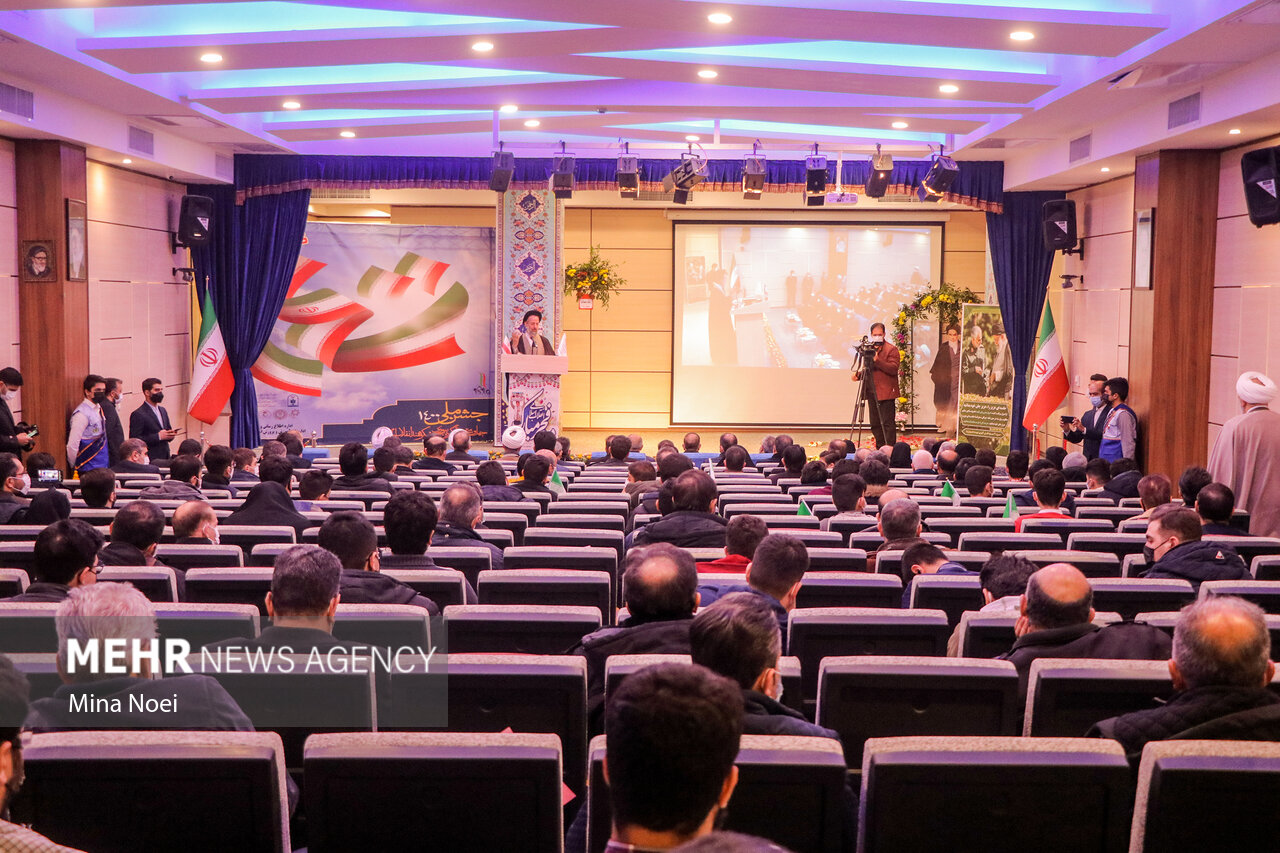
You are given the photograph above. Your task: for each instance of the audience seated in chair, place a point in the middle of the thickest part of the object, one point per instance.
(727, 440)
(135, 534)
(1175, 550)
(1048, 486)
(183, 483)
(642, 478)
(1016, 464)
(245, 466)
(977, 480)
(460, 446)
(670, 466)
(741, 537)
(313, 485)
(353, 461)
(492, 478)
(1003, 579)
(134, 459)
(195, 523)
(461, 512)
(619, 447)
(268, 504)
(899, 524)
(218, 461)
(793, 461)
(351, 538)
(66, 557)
(1056, 621)
(693, 523)
(435, 447)
(773, 575)
(116, 611)
(1215, 502)
(1221, 669)
(1154, 490)
(537, 470)
(925, 558)
(98, 488)
(1124, 480)
(847, 494)
(384, 463)
(736, 459)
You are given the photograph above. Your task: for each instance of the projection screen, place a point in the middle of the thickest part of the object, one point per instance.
(766, 315)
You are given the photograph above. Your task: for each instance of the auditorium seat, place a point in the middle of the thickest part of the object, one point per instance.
(382, 625)
(1207, 795)
(20, 533)
(229, 586)
(13, 582)
(97, 516)
(1133, 525)
(1063, 528)
(999, 511)
(953, 527)
(890, 562)
(1266, 568)
(867, 697)
(41, 671)
(1093, 564)
(819, 632)
(445, 791)
(849, 589)
(157, 583)
(981, 541)
(986, 635)
(202, 624)
(994, 793)
(187, 557)
(1119, 544)
(870, 540)
(1113, 514)
(578, 558)
(1066, 697)
(733, 499)
(132, 790)
(764, 510)
(1131, 596)
(18, 555)
(443, 586)
(518, 628)
(555, 534)
(581, 588)
(790, 791)
(365, 499)
(471, 560)
(785, 523)
(848, 526)
(1249, 547)
(529, 509)
(983, 503)
(28, 627)
(584, 521)
(618, 509)
(265, 554)
(950, 512)
(952, 594)
(1265, 594)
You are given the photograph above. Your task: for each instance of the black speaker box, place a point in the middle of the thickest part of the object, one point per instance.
(194, 219)
(1258, 168)
(1059, 224)
(504, 167)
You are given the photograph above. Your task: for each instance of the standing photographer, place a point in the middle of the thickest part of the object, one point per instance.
(11, 440)
(883, 358)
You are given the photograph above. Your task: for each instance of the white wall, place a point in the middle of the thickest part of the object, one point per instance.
(9, 350)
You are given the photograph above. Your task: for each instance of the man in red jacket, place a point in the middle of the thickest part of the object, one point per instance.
(884, 372)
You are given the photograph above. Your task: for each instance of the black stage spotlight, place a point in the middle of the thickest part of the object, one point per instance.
(561, 182)
(504, 166)
(941, 175)
(629, 176)
(753, 173)
(815, 179)
(684, 177)
(881, 173)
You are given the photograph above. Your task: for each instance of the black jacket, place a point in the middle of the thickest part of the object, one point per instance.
(525, 487)
(239, 476)
(1198, 562)
(432, 463)
(8, 431)
(42, 592)
(121, 554)
(360, 587)
(361, 483)
(10, 505)
(216, 482)
(1201, 713)
(268, 504)
(296, 641)
(1121, 641)
(423, 562)
(298, 461)
(634, 636)
(202, 705)
(506, 494)
(1093, 422)
(460, 456)
(449, 536)
(114, 430)
(684, 529)
(1122, 486)
(128, 466)
(765, 716)
(143, 426)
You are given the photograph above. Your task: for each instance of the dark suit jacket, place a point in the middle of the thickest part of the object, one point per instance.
(8, 444)
(128, 466)
(143, 425)
(1092, 421)
(432, 463)
(115, 430)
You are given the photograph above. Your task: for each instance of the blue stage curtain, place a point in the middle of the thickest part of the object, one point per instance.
(249, 262)
(979, 184)
(1021, 265)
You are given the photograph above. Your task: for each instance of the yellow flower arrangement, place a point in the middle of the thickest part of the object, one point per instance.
(595, 278)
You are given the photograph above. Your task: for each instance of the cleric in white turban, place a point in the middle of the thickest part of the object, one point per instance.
(1246, 455)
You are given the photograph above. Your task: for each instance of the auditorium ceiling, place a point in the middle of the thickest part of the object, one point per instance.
(438, 77)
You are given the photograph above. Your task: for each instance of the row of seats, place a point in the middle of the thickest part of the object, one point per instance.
(390, 791)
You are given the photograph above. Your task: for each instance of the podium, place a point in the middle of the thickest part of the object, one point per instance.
(531, 393)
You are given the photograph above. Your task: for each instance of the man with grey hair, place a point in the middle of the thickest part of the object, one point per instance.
(461, 512)
(899, 524)
(1221, 669)
(922, 462)
(92, 698)
(1056, 621)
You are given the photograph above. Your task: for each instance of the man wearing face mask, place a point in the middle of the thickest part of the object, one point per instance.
(1174, 549)
(115, 431)
(150, 422)
(87, 439)
(11, 441)
(13, 488)
(881, 398)
(195, 523)
(1088, 427)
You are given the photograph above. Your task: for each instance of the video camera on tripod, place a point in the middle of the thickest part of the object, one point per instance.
(866, 348)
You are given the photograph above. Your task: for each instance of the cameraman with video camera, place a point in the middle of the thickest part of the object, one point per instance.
(882, 358)
(14, 438)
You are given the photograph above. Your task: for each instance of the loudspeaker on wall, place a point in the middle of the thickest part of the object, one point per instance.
(1059, 224)
(194, 219)
(1259, 170)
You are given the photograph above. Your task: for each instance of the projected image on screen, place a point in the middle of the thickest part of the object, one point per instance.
(784, 305)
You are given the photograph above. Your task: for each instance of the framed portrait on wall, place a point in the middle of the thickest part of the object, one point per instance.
(77, 241)
(39, 260)
(1143, 230)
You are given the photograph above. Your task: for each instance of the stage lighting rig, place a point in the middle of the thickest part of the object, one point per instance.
(753, 173)
(881, 173)
(504, 166)
(628, 173)
(942, 174)
(690, 172)
(815, 178)
(561, 182)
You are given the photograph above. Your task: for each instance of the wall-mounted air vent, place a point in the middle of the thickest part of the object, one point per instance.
(1184, 111)
(142, 141)
(329, 192)
(1080, 148)
(17, 101)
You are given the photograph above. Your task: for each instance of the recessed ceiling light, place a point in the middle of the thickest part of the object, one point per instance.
(348, 134)
(291, 105)
(533, 122)
(482, 46)
(720, 18)
(949, 88)
(1022, 35)
(1235, 131)
(899, 125)
(692, 138)
(1106, 168)
(708, 74)
(508, 108)
(210, 57)
(126, 161)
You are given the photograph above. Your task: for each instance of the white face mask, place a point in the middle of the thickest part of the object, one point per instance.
(212, 535)
(26, 482)
(877, 339)
(9, 395)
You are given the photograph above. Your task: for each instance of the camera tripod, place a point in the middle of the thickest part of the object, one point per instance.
(866, 392)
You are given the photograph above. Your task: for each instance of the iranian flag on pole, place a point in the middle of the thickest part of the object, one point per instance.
(1049, 384)
(211, 380)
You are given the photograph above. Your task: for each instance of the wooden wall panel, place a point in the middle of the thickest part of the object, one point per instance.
(630, 392)
(630, 229)
(967, 232)
(631, 310)
(577, 229)
(458, 217)
(965, 269)
(646, 351)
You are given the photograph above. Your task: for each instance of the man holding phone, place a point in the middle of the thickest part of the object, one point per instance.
(150, 422)
(1088, 427)
(11, 441)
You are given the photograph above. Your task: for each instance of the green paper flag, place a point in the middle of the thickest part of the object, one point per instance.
(948, 490)
(804, 509)
(555, 478)
(1010, 506)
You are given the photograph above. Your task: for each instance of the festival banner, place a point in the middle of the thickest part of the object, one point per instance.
(383, 326)
(986, 379)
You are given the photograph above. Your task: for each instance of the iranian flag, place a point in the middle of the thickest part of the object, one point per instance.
(1049, 384)
(211, 380)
